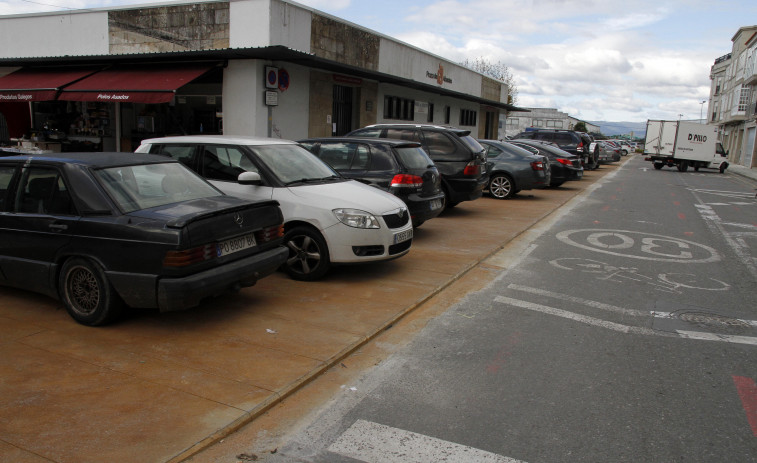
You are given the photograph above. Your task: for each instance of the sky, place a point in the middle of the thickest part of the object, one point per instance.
(597, 60)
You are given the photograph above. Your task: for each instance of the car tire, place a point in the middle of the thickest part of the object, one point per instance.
(501, 186)
(683, 166)
(308, 254)
(556, 184)
(723, 167)
(87, 294)
(658, 165)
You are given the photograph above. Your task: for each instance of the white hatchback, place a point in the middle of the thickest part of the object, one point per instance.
(328, 219)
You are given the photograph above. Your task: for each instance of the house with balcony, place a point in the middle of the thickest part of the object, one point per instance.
(733, 99)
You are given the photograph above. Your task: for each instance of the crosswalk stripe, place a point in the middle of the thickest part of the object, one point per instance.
(376, 443)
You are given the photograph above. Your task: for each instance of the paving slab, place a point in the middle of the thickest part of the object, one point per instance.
(162, 387)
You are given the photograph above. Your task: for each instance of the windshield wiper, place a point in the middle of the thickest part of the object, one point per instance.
(312, 180)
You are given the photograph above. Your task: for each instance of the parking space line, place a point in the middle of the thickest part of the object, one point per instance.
(377, 443)
(578, 300)
(701, 336)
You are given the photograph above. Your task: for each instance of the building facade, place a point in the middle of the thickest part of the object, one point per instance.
(112, 77)
(733, 99)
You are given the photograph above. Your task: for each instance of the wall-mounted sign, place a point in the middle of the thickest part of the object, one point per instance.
(421, 107)
(347, 79)
(271, 98)
(271, 77)
(439, 76)
(283, 80)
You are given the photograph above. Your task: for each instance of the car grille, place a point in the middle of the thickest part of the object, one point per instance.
(400, 247)
(397, 220)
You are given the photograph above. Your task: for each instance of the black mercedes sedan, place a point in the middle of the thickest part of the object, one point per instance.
(400, 167)
(105, 231)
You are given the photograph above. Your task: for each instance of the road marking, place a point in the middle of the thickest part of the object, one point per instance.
(578, 300)
(747, 390)
(701, 336)
(377, 443)
(675, 317)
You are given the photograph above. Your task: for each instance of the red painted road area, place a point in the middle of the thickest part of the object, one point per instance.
(747, 390)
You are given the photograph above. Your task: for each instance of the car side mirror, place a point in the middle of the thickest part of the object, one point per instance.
(249, 178)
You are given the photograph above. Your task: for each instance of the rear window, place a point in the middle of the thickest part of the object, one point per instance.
(472, 143)
(404, 134)
(414, 158)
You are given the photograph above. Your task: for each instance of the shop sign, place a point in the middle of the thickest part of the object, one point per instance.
(16, 97)
(347, 79)
(439, 76)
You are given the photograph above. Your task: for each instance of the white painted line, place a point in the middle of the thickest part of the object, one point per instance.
(577, 317)
(578, 300)
(675, 317)
(717, 337)
(377, 443)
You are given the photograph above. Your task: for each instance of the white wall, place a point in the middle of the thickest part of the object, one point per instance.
(249, 23)
(290, 26)
(401, 60)
(74, 34)
(244, 110)
(291, 116)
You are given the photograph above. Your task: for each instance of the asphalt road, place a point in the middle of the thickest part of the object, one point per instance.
(624, 330)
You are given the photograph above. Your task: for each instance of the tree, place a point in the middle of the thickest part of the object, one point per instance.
(580, 127)
(498, 71)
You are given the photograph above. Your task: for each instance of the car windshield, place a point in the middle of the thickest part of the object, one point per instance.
(294, 164)
(414, 158)
(144, 186)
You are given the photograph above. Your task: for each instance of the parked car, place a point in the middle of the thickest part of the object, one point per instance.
(608, 152)
(564, 166)
(401, 168)
(328, 219)
(575, 143)
(512, 169)
(623, 145)
(458, 156)
(102, 231)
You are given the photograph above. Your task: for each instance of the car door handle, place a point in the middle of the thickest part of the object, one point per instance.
(58, 226)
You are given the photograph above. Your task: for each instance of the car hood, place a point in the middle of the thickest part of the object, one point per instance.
(349, 194)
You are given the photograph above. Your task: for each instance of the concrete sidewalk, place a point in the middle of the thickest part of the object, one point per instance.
(742, 171)
(162, 387)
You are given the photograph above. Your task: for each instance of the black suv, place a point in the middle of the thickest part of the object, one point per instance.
(458, 156)
(400, 167)
(568, 140)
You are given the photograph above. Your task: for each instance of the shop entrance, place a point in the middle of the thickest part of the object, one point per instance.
(342, 110)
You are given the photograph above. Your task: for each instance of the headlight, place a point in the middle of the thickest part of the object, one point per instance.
(356, 218)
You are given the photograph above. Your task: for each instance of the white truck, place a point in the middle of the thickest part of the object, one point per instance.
(684, 144)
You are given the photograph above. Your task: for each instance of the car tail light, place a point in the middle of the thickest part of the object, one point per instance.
(472, 169)
(189, 256)
(269, 234)
(580, 146)
(406, 180)
(564, 161)
(537, 165)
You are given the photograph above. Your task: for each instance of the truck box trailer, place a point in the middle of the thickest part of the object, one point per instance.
(684, 144)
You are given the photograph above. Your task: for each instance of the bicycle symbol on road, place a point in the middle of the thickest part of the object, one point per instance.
(668, 282)
(645, 246)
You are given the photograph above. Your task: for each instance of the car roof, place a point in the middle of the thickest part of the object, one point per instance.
(368, 140)
(417, 125)
(221, 140)
(93, 159)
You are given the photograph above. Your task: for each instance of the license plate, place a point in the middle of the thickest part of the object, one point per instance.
(580, 174)
(233, 245)
(403, 236)
(436, 204)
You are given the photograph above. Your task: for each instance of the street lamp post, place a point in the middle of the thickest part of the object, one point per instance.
(701, 108)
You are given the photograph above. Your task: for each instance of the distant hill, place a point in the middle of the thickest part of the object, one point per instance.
(611, 129)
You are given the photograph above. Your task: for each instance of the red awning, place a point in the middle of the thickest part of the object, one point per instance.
(30, 84)
(137, 84)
